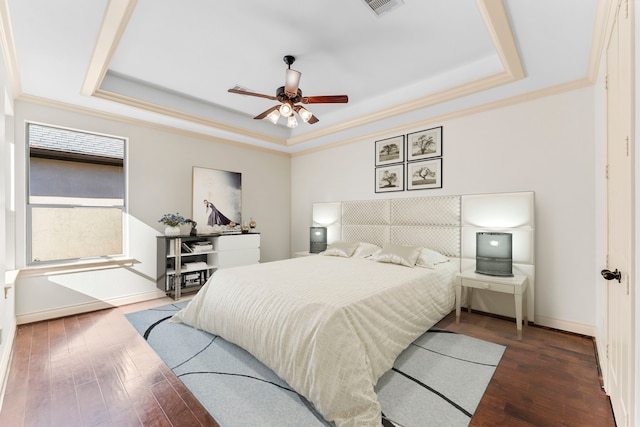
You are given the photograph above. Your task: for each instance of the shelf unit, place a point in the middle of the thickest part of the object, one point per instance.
(191, 260)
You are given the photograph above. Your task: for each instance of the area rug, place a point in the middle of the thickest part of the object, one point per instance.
(438, 381)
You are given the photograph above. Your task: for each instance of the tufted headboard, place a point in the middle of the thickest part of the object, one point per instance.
(446, 224)
(426, 221)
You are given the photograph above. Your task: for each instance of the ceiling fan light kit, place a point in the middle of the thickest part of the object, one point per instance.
(274, 116)
(288, 95)
(286, 109)
(304, 114)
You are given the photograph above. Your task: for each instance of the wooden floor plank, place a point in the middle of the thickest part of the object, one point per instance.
(98, 368)
(93, 409)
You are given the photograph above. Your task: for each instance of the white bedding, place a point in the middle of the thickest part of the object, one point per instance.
(328, 326)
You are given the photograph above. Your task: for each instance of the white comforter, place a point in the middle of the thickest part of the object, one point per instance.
(328, 326)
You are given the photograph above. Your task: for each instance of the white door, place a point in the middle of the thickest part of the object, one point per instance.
(619, 372)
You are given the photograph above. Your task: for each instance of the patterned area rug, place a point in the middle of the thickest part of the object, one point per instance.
(438, 381)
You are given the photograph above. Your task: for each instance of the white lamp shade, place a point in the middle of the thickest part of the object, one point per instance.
(305, 114)
(286, 110)
(273, 116)
(291, 82)
(328, 215)
(505, 210)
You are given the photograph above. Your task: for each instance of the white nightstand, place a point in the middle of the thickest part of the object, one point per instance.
(515, 285)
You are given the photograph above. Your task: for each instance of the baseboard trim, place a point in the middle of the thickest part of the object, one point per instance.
(88, 307)
(601, 359)
(565, 325)
(5, 358)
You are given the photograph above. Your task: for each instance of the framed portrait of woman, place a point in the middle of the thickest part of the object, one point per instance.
(217, 197)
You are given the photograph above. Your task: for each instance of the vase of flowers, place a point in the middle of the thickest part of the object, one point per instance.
(172, 222)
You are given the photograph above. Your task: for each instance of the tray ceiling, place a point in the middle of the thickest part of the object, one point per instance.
(171, 63)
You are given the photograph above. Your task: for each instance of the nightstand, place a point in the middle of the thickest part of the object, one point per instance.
(515, 286)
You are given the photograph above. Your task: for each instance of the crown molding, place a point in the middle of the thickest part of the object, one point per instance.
(529, 96)
(117, 17)
(497, 23)
(114, 23)
(427, 101)
(493, 13)
(602, 26)
(155, 108)
(143, 123)
(401, 129)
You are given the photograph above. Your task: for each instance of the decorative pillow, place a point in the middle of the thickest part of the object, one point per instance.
(398, 254)
(366, 249)
(429, 258)
(343, 249)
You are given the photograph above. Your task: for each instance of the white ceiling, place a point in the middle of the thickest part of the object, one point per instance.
(172, 62)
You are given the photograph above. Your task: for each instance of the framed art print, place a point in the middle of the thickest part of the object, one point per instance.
(424, 175)
(389, 151)
(424, 144)
(389, 178)
(217, 197)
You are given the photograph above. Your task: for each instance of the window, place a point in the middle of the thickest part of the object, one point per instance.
(76, 194)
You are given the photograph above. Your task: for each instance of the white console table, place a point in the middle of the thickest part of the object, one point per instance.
(515, 285)
(186, 262)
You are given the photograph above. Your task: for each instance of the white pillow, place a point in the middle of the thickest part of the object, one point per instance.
(366, 249)
(429, 258)
(398, 254)
(343, 249)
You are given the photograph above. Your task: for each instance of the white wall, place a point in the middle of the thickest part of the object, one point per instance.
(159, 165)
(544, 145)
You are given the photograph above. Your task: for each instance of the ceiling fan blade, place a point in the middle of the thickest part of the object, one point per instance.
(259, 95)
(266, 113)
(327, 99)
(291, 82)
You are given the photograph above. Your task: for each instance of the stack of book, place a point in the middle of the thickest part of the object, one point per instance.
(194, 266)
(192, 279)
(203, 246)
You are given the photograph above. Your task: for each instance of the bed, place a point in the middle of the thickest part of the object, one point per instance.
(329, 325)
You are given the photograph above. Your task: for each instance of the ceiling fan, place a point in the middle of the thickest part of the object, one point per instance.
(289, 96)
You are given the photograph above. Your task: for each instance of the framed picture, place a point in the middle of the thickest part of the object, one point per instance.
(389, 178)
(424, 175)
(217, 197)
(389, 151)
(424, 144)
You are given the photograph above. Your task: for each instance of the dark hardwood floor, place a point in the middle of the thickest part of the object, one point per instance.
(94, 369)
(550, 378)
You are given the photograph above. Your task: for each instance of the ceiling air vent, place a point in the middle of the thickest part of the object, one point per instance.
(380, 7)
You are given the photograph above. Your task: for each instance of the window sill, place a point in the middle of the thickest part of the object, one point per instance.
(10, 277)
(76, 267)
